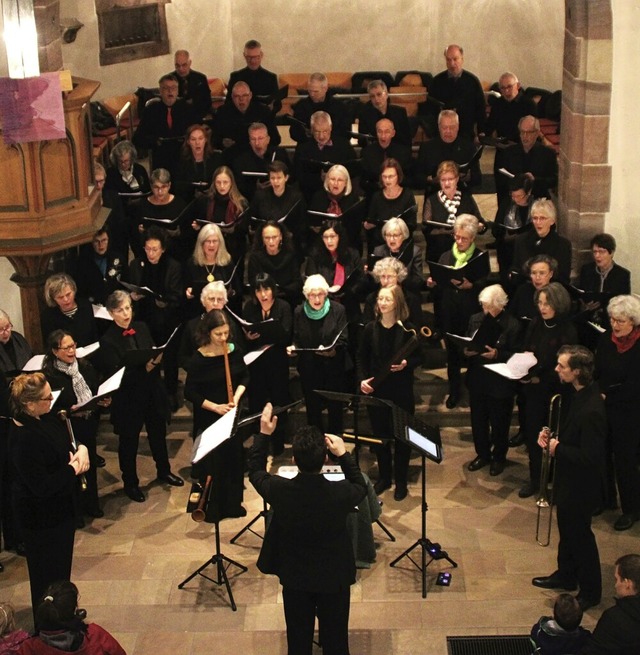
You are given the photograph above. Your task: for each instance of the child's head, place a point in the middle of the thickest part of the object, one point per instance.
(567, 612)
(7, 619)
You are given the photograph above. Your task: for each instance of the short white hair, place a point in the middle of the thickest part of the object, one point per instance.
(494, 296)
(315, 282)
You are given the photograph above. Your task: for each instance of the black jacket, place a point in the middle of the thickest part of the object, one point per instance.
(618, 630)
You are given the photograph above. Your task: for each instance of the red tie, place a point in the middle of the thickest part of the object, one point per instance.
(169, 118)
(128, 333)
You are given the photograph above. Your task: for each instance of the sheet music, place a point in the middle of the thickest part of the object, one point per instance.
(214, 435)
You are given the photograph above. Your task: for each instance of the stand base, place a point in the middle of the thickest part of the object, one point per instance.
(249, 527)
(385, 529)
(222, 563)
(427, 548)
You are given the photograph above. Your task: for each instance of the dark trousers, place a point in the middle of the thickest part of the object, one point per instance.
(332, 610)
(454, 364)
(625, 438)
(578, 558)
(130, 437)
(537, 416)
(490, 422)
(315, 405)
(49, 556)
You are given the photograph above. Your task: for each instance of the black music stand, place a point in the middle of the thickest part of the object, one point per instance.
(354, 401)
(426, 440)
(206, 443)
(262, 514)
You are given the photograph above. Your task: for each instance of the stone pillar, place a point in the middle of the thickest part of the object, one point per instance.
(585, 173)
(47, 15)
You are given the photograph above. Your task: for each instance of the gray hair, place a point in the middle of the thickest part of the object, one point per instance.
(544, 207)
(4, 315)
(123, 148)
(320, 117)
(211, 230)
(389, 263)
(161, 175)
(254, 127)
(217, 285)
(55, 284)
(557, 297)
(396, 223)
(376, 84)
(468, 223)
(116, 299)
(536, 122)
(319, 77)
(494, 296)
(626, 306)
(340, 169)
(449, 113)
(315, 282)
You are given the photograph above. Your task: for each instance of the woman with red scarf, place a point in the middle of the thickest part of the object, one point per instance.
(618, 373)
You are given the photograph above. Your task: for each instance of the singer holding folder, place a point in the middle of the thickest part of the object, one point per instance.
(45, 482)
(141, 399)
(320, 339)
(216, 381)
(78, 382)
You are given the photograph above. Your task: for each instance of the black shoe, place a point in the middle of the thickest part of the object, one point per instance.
(400, 493)
(554, 581)
(101, 462)
(381, 485)
(586, 603)
(517, 440)
(20, 549)
(624, 522)
(496, 467)
(452, 400)
(171, 479)
(135, 493)
(477, 464)
(237, 513)
(95, 513)
(79, 523)
(527, 491)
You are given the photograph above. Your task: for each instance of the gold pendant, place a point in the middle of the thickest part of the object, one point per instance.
(210, 278)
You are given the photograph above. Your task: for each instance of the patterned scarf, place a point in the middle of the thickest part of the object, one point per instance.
(80, 387)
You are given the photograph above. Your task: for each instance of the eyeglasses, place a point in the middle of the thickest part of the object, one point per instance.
(48, 398)
(159, 187)
(317, 294)
(507, 87)
(155, 249)
(6, 329)
(69, 348)
(619, 321)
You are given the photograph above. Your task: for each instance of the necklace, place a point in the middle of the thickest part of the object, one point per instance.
(450, 204)
(210, 277)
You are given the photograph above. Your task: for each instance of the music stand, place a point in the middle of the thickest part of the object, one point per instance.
(426, 440)
(354, 401)
(216, 434)
(262, 514)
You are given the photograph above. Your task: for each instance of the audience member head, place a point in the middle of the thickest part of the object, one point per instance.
(168, 89)
(337, 181)
(448, 125)
(309, 449)
(58, 607)
(253, 54)
(214, 296)
(317, 86)
(389, 271)
(259, 138)
(454, 57)
(529, 128)
(182, 63)
(543, 216)
(197, 143)
(378, 95)
(5, 327)
(603, 247)
(567, 612)
(385, 131)
(60, 291)
(627, 575)
(509, 86)
(123, 156)
(208, 329)
(241, 96)
(575, 365)
(210, 247)
(321, 127)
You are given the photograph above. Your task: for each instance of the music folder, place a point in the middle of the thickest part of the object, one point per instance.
(473, 270)
(214, 435)
(169, 223)
(110, 385)
(142, 356)
(476, 157)
(321, 347)
(474, 342)
(141, 291)
(516, 367)
(576, 293)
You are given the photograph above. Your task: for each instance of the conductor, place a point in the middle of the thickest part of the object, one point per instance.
(307, 545)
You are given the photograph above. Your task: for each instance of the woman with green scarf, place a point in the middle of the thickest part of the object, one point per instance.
(320, 340)
(459, 299)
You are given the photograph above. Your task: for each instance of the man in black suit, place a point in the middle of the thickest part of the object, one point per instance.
(378, 108)
(263, 83)
(307, 545)
(578, 450)
(163, 125)
(193, 87)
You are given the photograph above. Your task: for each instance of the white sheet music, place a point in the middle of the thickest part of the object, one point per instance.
(516, 367)
(214, 435)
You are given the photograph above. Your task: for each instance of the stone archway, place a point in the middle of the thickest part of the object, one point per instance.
(585, 170)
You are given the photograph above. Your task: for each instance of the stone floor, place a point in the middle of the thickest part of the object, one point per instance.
(129, 564)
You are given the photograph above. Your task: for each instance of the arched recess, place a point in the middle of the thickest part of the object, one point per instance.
(585, 171)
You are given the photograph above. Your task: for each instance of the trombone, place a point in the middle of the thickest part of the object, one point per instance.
(545, 499)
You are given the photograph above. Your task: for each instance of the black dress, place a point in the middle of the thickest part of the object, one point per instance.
(206, 380)
(381, 209)
(180, 234)
(81, 326)
(283, 267)
(266, 206)
(349, 210)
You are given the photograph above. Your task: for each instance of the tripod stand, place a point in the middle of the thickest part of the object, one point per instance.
(262, 514)
(222, 563)
(426, 546)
